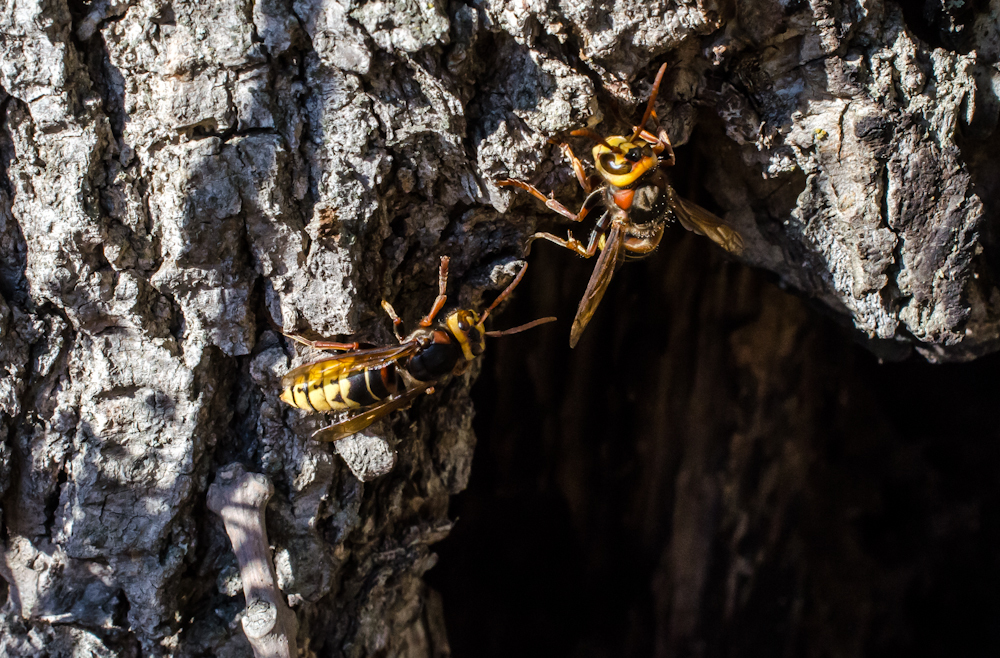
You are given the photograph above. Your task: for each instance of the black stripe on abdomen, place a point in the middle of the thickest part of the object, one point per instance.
(382, 382)
(357, 389)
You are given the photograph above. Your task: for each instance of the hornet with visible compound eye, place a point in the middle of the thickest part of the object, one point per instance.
(370, 383)
(632, 188)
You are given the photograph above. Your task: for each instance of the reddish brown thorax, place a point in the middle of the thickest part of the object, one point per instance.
(623, 198)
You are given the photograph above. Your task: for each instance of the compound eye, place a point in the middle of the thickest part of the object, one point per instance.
(634, 154)
(476, 342)
(610, 163)
(463, 322)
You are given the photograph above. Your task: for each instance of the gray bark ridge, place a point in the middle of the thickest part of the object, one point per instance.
(178, 178)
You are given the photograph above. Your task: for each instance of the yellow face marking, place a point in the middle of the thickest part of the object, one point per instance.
(461, 336)
(647, 163)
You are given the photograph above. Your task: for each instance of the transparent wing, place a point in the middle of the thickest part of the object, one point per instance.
(609, 260)
(355, 424)
(340, 365)
(695, 218)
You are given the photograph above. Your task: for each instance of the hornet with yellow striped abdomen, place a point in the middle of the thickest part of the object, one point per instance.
(370, 383)
(637, 199)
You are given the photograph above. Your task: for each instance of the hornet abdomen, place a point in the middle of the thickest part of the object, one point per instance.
(322, 388)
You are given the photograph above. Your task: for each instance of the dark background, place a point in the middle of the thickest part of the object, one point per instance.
(718, 469)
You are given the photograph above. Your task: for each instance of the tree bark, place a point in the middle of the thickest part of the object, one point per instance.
(182, 181)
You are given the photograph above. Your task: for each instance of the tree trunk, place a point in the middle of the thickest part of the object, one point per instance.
(717, 469)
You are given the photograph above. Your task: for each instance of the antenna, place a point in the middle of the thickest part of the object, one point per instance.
(506, 293)
(586, 132)
(523, 327)
(652, 101)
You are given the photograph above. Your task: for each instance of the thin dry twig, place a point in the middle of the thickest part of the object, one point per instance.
(239, 498)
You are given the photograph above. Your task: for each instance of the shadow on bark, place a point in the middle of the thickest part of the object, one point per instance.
(744, 481)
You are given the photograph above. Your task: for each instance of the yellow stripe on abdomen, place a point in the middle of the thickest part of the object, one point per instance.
(317, 396)
(313, 382)
(331, 390)
(299, 395)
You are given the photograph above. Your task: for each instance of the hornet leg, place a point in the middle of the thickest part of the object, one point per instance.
(660, 143)
(572, 243)
(397, 324)
(324, 344)
(550, 201)
(577, 166)
(442, 297)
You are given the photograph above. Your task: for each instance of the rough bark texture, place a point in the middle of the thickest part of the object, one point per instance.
(180, 179)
